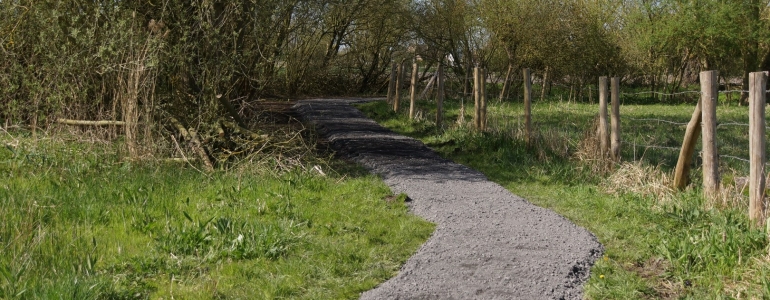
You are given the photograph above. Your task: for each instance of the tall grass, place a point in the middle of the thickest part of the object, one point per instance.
(80, 223)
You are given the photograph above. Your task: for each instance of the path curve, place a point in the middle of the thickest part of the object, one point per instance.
(488, 243)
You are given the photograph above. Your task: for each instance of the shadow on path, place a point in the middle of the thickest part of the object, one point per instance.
(488, 243)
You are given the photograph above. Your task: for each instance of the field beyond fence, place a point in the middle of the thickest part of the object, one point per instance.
(733, 139)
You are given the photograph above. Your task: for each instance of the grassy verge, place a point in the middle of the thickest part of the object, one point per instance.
(660, 243)
(79, 223)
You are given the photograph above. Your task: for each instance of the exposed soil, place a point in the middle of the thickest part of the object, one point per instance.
(488, 243)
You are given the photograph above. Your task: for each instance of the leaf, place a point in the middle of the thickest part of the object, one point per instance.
(188, 216)
(203, 224)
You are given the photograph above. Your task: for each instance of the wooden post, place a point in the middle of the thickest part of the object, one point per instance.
(477, 98)
(483, 110)
(757, 102)
(392, 83)
(399, 78)
(527, 105)
(615, 120)
(604, 127)
(413, 91)
(440, 96)
(709, 85)
(682, 171)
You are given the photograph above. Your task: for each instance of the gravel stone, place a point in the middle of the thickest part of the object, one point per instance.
(488, 242)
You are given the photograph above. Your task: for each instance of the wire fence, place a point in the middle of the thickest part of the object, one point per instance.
(655, 134)
(649, 136)
(666, 134)
(645, 136)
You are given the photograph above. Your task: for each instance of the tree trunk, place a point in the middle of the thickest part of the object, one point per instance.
(507, 83)
(545, 84)
(750, 53)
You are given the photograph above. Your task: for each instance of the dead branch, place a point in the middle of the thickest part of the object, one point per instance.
(89, 123)
(192, 138)
(237, 128)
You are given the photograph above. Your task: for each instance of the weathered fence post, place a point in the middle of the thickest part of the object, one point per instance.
(399, 78)
(757, 101)
(615, 120)
(440, 96)
(527, 105)
(477, 97)
(392, 83)
(682, 171)
(413, 91)
(604, 127)
(709, 85)
(483, 110)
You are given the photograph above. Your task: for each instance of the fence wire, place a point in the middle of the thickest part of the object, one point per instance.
(658, 140)
(658, 120)
(660, 93)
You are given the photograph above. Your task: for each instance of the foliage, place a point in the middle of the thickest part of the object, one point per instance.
(681, 38)
(201, 62)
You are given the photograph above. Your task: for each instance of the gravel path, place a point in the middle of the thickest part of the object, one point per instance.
(488, 243)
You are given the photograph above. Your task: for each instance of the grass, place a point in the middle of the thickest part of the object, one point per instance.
(80, 223)
(660, 244)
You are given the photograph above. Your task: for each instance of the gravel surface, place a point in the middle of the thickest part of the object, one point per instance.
(488, 243)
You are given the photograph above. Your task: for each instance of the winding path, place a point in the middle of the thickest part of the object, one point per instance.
(488, 243)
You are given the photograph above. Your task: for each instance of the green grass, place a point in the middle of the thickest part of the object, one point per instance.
(681, 248)
(80, 223)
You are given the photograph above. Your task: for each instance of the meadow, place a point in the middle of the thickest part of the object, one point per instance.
(80, 221)
(660, 243)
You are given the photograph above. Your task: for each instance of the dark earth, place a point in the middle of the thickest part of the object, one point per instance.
(488, 243)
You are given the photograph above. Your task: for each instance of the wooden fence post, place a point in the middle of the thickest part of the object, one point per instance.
(615, 120)
(477, 97)
(413, 91)
(440, 96)
(392, 83)
(527, 105)
(399, 78)
(709, 85)
(682, 171)
(604, 127)
(483, 111)
(757, 101)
